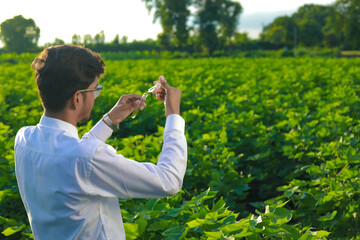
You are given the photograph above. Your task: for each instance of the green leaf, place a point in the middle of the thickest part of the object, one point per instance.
(174, 233)
(243, 234)
(173, 212)
(185, 232)
(305, 235)
(197, 222)
(348, 173)
(11, 230)
(204, 196)
(2, 220)
(234, 227)
(283, 214)
(131, 230)
(335, 164)
(309, 235)
(272, 231)
(142, 224)
(279, 205)
(239, 190)
(352, 155)
(328, 217)
(322, 233)
(213, 235)
(219, 204)
(151, 204)
(223, 136)
(315, 170)
(193, 223)
(292, 230)
(159, 225)
(135, 230)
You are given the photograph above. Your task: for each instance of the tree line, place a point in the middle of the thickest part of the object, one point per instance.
(207, 26)
(330, 26)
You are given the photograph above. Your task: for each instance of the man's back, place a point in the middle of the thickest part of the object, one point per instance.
(51, 170)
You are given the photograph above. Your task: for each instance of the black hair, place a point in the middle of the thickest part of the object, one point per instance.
(62, 70)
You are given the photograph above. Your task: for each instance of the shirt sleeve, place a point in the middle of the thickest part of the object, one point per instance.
(100, 131)
(113, 175)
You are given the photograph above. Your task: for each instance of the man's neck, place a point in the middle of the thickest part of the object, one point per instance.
(62, 115)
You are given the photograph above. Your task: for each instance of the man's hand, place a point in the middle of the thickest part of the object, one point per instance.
(125, 106)
(169, 95)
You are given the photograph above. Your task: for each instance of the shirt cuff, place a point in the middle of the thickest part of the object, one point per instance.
(175, 122)
(101, 131)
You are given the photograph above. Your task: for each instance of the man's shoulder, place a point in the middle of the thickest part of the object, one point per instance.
(25, 129)
(56, 142)
(90, 145)
(21, 134)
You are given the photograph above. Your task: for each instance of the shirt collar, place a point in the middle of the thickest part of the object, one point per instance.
(59, 124)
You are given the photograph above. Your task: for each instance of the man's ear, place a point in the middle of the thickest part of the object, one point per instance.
(75, 100)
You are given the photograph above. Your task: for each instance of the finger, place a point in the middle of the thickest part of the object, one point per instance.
(159, 90)
(128, 108)
(142, 105)
(136, 98)
(128, 98)
(160, 97)
(163, 82)
(133, 97)
(162, 94)
(156, 88)
(133, 105)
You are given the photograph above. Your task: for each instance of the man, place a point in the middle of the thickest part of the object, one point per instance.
(70, 186)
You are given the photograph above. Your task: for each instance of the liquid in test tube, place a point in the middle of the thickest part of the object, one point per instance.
(145, 95)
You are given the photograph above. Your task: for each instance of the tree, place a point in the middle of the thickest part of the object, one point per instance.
(348, 14)
(311, 19)
(99, 38)
(276, 35)
(88, 39)
(19, 34)
(241, 38)
(116, 40)
(57, 41)
(229, 17)
(315, 12)
(280, 32)
(332, 31)
(310, 32)
(124, 40)
(76, 39)
(309, 26)
(217, 21)
(173, 17)
(208, 16)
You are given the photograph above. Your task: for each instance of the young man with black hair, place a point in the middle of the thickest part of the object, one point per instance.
(70, 186)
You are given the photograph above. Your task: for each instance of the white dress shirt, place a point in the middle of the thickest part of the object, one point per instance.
(70, 186)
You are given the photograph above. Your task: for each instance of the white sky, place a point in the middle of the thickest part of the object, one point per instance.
(63, 19)
(253, 6)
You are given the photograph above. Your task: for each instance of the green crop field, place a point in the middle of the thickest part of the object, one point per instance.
(273, 146)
